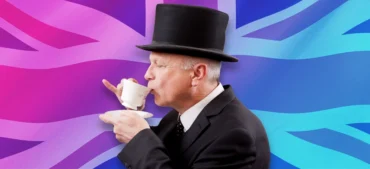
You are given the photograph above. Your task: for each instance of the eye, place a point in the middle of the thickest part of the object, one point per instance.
(160, 65)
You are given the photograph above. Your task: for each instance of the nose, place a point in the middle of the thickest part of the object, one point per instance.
(149, 74)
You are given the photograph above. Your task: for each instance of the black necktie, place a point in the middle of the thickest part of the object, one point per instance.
(179, 128)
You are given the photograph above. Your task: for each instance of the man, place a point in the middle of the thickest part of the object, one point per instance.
(208, 127)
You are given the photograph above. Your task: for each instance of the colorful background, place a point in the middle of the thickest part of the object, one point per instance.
(304, 70)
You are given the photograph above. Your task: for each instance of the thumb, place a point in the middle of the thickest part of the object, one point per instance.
(110, 117)
(109, 86)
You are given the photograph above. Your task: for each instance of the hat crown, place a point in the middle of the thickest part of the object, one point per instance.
(191, 26)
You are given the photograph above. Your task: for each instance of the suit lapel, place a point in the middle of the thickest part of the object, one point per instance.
(169, 124)
(200, 124)
(202, 121)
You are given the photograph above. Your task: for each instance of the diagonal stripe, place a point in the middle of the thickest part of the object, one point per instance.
(304, 154)
(9, 41)
(365, 127)
(80, 129)
(103, 158)
(338, 142)
(10, 147)
(248, 11)
(278, 163)
(113, 163)
(295, 24)
(47, 34)
(315, 120)
(91, 149)
(363, 27)
(294, 86)
(122, 10)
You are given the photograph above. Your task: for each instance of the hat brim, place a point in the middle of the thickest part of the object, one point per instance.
(191, 51)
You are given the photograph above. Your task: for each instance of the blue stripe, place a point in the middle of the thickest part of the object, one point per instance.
(278, 163)
(113, 163)
(337, 141)
(365, 127)
(361, 28)
(252, 10)
(294, 86)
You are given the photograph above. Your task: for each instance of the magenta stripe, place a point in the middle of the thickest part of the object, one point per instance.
(45, 33)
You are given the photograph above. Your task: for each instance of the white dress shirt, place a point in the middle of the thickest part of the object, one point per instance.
(189, 116)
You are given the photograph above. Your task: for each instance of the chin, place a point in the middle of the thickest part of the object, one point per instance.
(159, 102)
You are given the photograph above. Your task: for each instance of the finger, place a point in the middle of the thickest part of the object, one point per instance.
(120, 138)
(142, 106)
(109, 86)
(119, 88)
(116, 129)
(119, 92)
(109, 118)
(104, 118)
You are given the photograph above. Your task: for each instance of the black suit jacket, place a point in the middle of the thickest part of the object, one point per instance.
(225, 135)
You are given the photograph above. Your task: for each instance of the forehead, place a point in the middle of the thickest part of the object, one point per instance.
(156, 56)
(167, 57)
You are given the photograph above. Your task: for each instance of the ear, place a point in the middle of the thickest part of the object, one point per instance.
(198, 74)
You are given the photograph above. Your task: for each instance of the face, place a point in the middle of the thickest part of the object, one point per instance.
(169, 82)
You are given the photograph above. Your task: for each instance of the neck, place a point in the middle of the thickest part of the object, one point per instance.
(196, 95)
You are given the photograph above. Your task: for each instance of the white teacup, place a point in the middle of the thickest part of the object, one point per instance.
(133, 94)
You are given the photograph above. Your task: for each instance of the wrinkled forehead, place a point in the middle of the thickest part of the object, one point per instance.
(165, 57)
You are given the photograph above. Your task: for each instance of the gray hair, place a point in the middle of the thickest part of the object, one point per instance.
(214, 67)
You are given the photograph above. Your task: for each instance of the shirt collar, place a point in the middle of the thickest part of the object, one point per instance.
(189, 116)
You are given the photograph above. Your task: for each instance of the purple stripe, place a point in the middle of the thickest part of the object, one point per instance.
(9, 41)
(129, 12)
(297, 23)
(205, 3)
(10, 147)
(88, 151)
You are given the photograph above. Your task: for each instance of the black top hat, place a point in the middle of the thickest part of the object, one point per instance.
(190, 30)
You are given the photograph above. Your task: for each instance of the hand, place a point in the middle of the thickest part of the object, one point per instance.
(118, 91)
(126, 124)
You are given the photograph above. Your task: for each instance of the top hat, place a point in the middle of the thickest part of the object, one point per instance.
(190, 30)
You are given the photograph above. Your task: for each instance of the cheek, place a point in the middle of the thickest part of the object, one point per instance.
(179, 86)
(170, 84)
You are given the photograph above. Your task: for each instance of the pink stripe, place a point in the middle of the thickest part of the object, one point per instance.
(47, 34)
(93, 148)
(43, 131)
(116, 40)
(59, 141)
(67, 92)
